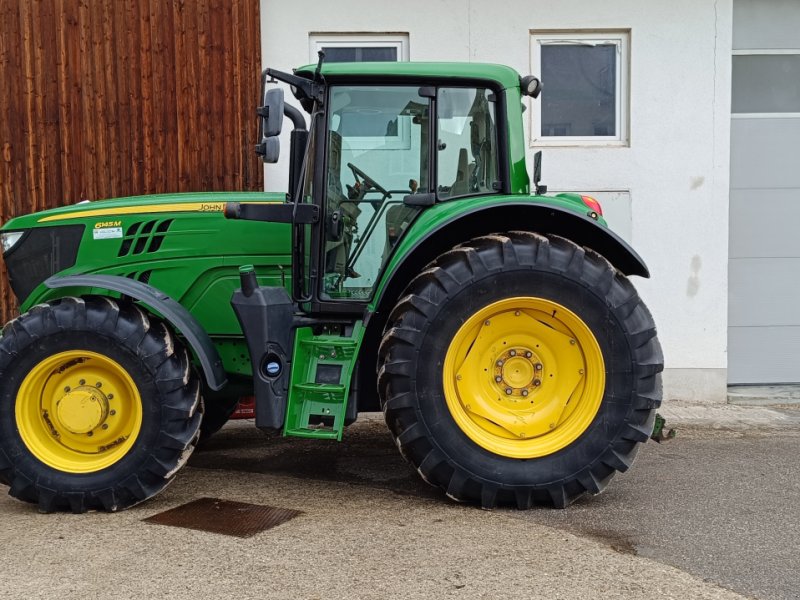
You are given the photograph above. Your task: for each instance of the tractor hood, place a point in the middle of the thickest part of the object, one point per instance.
(181, 244)
(203, 202)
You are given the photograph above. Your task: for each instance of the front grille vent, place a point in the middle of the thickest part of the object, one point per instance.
(144, 237)
(41, 253)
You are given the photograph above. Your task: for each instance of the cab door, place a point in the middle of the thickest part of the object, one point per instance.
(376, 154)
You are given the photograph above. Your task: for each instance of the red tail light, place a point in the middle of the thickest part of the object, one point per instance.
(592, 204)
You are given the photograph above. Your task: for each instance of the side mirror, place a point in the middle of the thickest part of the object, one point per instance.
(272, 113)
(269, 149)
(269, 126)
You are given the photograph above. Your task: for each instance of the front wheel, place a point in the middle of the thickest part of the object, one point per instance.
(99, 405)
(520, 369)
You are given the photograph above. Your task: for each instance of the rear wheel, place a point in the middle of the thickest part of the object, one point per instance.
(99, 406)
(520, 369)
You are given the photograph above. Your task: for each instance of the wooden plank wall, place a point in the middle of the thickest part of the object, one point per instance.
(106, 98)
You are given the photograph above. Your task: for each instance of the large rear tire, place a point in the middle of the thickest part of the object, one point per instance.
(99, 405)
(520, 369)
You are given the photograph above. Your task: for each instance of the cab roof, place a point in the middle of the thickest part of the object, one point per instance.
(505, 76)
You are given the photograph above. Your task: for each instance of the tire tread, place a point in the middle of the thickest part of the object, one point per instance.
(448, 275)
(152, 341)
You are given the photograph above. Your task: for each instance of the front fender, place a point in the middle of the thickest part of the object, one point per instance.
(172, 311)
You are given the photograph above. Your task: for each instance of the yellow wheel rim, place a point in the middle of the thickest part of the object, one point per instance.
(78, 411)
(524, 377)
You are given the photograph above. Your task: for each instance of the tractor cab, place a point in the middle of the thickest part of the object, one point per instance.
(380, 148)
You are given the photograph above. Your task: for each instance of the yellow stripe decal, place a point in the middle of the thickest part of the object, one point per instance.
(146, 209)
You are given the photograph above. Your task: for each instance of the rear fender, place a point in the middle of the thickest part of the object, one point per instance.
(423, 243)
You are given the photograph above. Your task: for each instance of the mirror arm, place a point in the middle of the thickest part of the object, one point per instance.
(311, 89)
(295, 115)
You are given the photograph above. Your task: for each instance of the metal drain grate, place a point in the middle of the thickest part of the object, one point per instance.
(238, 519)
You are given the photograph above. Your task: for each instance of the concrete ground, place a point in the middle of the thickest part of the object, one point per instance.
(710, 514)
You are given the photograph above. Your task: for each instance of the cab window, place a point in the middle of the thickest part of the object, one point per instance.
(377, 153)
(466, 132)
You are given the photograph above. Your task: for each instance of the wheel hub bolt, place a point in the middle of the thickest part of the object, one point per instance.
(498, 379)
(499, 363)
(67, 389)
(486, 322)
(572, 342)
(513, 353)
(82, 382)
(110, 396)
(524, 392)
(90, 433)
(509, 391)
(516, 313)
(538, 366)
(105, 425)
(99, 384)
(112, 412)
(537, 382)
(528, 354)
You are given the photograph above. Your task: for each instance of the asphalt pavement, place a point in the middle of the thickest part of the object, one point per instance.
(709, 514)
(721, 505)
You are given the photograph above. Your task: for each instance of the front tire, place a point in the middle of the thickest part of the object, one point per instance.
(99, 405)
(520, 369)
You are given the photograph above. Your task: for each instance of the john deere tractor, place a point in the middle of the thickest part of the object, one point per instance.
(410, 268)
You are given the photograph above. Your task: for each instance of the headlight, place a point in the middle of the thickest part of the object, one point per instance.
(9, 238)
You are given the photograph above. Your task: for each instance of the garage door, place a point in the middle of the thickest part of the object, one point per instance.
(764, 268)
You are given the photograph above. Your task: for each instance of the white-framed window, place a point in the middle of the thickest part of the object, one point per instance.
(366, 129)
(766, 83)
(585, 97)
(359, 47)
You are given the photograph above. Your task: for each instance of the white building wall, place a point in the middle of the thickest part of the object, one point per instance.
(674, 173)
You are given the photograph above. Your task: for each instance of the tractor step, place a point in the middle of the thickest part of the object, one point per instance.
(322, 367)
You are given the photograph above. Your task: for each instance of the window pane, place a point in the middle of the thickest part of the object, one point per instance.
(378, 54)
(579, 90)
(339, 54)
(765, 24)
(360, 54)
(367, 180)
(466, 142)
(767, 83)
(369, 113)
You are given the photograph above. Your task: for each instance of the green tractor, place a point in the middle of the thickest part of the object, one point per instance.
(408, 269)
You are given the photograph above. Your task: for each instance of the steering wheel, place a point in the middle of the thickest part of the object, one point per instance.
(369, 181)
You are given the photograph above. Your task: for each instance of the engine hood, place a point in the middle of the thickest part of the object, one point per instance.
(193, 202)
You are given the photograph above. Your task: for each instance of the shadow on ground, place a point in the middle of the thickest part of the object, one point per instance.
(366, 456)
